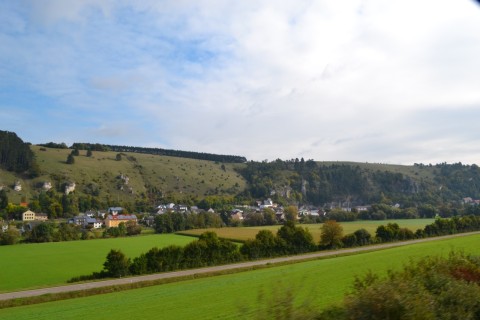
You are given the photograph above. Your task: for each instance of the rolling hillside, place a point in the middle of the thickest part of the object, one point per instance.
(144, 180)
(101, 174)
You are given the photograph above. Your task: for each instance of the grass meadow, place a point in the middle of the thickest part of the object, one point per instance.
(235, 296)
(28, 266)
(171, 175)
(242, 234)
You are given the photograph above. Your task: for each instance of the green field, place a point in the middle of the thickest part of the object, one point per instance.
(235, 296)
(29, 266)
(241, 234)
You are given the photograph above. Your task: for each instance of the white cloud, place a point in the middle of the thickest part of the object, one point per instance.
(346, 80)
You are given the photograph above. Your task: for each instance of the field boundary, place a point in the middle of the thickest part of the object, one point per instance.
(34, 296)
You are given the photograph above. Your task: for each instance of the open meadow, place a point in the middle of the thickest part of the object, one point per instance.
(35, 265)
(235, 296)
(242, 234)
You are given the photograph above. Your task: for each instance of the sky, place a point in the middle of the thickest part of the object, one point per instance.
(354, 80)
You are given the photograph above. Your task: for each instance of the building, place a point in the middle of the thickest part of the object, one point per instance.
(113, 220)
(41, 217)
(28, 216)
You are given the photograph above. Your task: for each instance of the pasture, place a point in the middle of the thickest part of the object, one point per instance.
(242, 234)
(28, 266)
(234, 296)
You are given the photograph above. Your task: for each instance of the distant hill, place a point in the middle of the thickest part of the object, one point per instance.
(141, 180)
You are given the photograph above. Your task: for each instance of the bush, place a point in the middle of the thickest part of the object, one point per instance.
(433, 288)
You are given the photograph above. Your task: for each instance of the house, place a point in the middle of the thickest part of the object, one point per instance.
(28, 216)
(362, 208)
(236, 214)
(79, 220)
(115, 210)
(18, 186)
(90, 213)
(113, 220)
(93, 223)
(41, 217)
(181, 208)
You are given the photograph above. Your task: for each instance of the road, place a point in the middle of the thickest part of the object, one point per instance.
(178, 274)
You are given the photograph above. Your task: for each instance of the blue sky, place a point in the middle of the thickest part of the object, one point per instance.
(376, 81)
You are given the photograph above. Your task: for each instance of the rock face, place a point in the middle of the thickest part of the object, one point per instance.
(18, 186)
(47, 185)
(69, 187)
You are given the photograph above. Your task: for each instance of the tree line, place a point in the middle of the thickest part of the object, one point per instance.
(289, 239)
(15, 155)
(53, 232)
(312, 183)
(160, 151)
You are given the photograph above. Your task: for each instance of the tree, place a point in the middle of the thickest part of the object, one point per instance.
(331, 234)
(269, 217)
(133, 228)
(70, 159)
(42, 232)
(117, 264)
(118, 157)
(75, 152)
(89, 153)
(3, 199)
(11, 236)
(291, 213)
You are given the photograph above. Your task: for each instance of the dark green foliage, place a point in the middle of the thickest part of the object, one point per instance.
(163, 152)
(67, 232)
(363, 237)
(117, 264)
(70, 159)
(42, 232)
(3, 199)
(54, 145)
(290, 239)
(15, 155)
(9, 237)
(210, 250)
(89, 153)
(433, 288)
(170, 222)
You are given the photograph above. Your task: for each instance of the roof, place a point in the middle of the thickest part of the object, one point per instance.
(122, 217)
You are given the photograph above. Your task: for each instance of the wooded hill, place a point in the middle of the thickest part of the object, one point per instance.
(140, 180)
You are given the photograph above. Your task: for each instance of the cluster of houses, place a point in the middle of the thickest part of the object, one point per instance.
(90, 219)
(114, 215)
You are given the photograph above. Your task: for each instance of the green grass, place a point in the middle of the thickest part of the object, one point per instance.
(234, 296)
(170, 175)
(29, 266)
(242, 234)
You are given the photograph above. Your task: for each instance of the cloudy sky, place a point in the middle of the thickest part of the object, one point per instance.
(377, 81)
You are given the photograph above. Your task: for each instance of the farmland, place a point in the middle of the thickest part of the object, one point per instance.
(235, 296)
(29, 266)
(242, 234)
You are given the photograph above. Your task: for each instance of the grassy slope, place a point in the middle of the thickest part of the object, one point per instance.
(235, 296)
(315, 229)
(171, 175)
(29, 266)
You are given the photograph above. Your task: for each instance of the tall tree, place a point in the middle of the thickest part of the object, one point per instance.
(117, 264)
(331, 235)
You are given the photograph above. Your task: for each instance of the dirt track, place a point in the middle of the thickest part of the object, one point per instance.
(177, 274)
